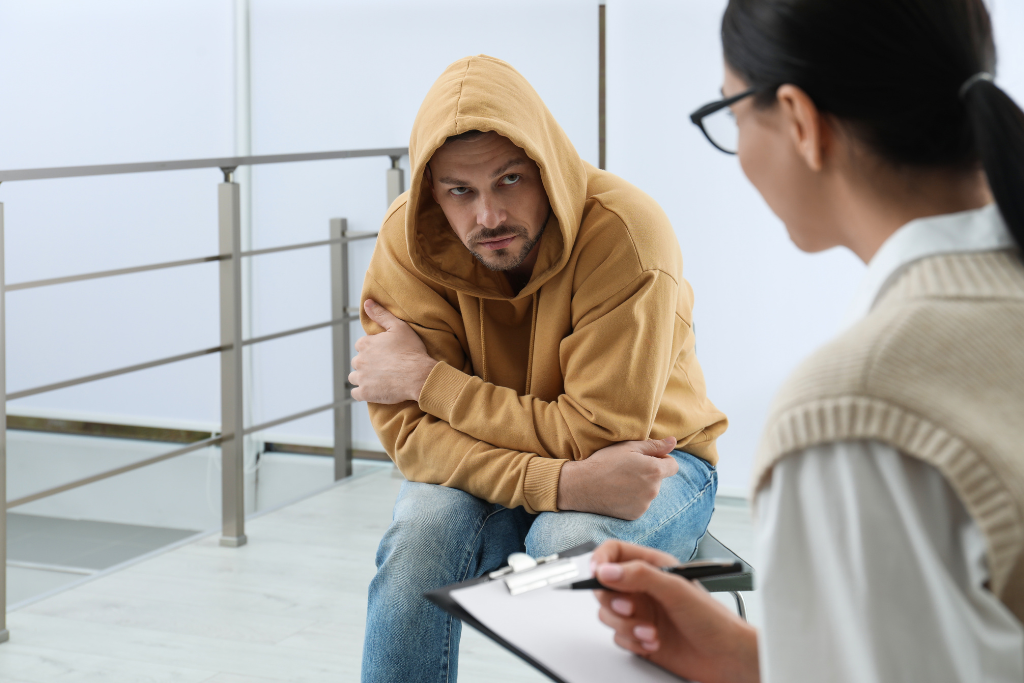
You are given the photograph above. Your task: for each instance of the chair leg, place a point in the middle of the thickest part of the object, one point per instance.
(739, 605)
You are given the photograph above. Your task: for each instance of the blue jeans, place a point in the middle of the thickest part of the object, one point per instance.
(441, 536)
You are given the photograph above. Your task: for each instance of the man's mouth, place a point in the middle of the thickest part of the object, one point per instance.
(499, 243)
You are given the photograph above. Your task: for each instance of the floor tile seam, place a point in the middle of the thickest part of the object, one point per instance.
(215, 646)
(156, 603)
(311, 599)
(50, 652)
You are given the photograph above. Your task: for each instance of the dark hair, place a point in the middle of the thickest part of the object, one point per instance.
(468, 135)
(892, 70)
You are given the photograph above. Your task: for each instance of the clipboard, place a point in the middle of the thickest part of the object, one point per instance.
(558, 657)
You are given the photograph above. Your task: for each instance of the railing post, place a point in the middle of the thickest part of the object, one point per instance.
(4, 634)
(396, 180)
(341, 346)
(232, 449)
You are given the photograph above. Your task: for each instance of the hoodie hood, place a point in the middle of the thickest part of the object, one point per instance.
(487, 94)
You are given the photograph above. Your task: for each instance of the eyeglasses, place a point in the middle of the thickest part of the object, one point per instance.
(718, 124)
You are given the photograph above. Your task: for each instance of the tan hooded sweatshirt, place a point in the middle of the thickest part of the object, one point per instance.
(597, 348)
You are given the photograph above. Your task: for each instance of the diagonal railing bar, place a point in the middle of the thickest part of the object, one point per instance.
(32, 284)
(187, 164)
(299, 330)
(355, 236)
(296, 416)
(288, 247)
(112, 273)
(306, 245)
(114, 373)
(213, 440)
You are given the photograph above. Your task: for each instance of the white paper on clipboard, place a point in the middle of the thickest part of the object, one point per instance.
(559, 629)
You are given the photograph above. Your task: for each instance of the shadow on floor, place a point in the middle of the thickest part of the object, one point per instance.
(45, 553)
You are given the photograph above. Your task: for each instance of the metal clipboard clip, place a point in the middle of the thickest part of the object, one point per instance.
(524, 573)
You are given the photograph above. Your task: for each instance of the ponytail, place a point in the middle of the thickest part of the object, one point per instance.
(919, 92)
(998, 126)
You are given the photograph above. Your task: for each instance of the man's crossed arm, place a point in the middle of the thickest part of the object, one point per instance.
(620, 480)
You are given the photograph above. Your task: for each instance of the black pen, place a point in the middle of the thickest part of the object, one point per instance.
(700, 569)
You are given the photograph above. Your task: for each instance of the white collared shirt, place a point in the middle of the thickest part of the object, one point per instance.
(869, 567)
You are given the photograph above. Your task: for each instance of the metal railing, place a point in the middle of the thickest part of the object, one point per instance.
(231, 338)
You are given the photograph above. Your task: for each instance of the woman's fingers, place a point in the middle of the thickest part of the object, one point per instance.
(635, 605)
(635, 646)
(618, 551)
(667, 590)
(644, 633)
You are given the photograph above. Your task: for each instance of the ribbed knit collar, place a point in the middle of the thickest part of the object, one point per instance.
(966, 231)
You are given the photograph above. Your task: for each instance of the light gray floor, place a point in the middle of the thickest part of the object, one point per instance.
(287, 607)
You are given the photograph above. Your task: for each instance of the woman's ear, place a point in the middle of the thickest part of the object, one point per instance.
(807, 126)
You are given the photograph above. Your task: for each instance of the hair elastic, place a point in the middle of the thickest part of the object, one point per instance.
(969, 83)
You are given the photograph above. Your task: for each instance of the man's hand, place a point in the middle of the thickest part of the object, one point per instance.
(672, 621)
(392, 366)
(620, 480)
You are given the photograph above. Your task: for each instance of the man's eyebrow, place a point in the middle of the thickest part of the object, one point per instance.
(511, 163)
(448, 180)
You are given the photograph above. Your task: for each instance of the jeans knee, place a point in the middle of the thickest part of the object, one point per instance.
(431, 524)
(555, 532)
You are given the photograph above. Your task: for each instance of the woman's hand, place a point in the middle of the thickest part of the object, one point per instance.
(671, 621)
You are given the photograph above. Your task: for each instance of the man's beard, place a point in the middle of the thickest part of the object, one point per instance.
(507, 261)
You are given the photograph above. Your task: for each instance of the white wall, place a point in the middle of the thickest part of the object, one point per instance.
(103, 82)
(761, 304)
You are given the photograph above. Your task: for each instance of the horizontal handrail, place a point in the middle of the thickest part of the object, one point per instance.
(186, 164)
(114, 373)
(213, 440)
(32, 284)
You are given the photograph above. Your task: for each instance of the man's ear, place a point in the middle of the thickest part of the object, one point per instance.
(429, 177)
(808, 128)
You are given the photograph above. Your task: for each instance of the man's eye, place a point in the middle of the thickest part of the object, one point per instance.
(511, 179)
(459, 191)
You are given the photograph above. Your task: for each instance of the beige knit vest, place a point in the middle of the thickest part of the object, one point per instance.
(936, 370)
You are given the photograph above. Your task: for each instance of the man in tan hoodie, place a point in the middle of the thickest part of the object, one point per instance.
(530, 363)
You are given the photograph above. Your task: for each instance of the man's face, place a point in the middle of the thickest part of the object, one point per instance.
(493, 197)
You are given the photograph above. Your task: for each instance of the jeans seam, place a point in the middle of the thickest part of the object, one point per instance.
(678, 512)
(465, 571)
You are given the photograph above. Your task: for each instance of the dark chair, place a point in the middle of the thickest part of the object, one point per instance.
(710, 548)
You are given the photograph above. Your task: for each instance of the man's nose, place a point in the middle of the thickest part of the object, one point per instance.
(490, 214)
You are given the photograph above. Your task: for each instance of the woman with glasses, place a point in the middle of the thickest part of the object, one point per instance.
(889, 485)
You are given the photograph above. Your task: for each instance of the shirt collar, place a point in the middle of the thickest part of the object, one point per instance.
(976, 230)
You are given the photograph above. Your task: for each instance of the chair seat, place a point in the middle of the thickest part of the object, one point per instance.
(710, 548)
